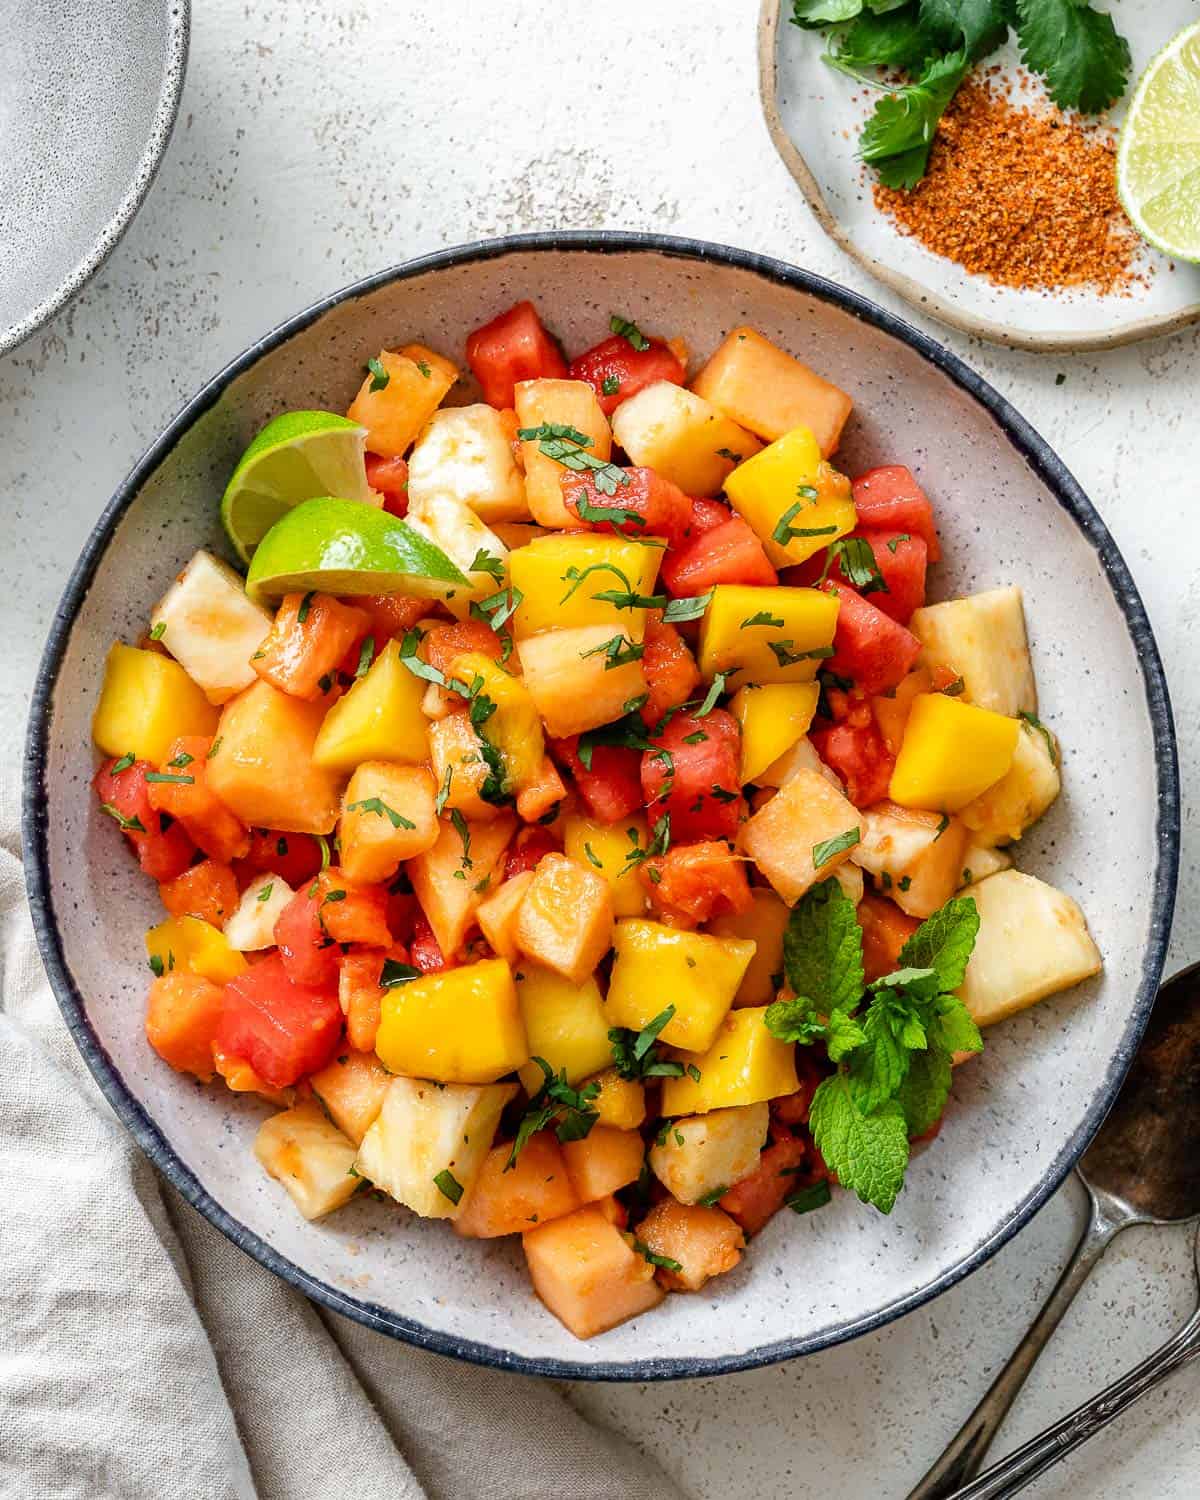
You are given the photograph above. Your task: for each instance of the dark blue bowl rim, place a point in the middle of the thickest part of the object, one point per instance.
(1045, 464)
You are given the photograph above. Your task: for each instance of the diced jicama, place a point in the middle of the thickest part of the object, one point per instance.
(310, 1156)
(464, 539)
(210, 626)
(1018, 799)
(466, 454)
(252, 926)
(917, 858)
(981, 638)
(682, 437)
(694, 1157)
(981, 860)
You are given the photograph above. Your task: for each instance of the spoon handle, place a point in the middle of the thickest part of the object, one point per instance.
(964, 1454)
(1024, 1465)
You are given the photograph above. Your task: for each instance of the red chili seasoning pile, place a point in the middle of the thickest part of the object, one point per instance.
(1025, 196)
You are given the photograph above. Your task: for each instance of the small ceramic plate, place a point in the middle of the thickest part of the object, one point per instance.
(88, 95)
(1008, 512)
(814, 115)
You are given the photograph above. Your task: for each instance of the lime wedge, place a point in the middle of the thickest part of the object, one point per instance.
(346, 547)
(297, 456)
(1158, 159)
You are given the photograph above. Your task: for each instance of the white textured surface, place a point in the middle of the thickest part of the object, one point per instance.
(315, 146)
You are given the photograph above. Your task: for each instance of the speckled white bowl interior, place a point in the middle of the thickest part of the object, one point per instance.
(1007, 512)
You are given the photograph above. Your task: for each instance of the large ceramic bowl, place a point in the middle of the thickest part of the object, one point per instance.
(1008, 510)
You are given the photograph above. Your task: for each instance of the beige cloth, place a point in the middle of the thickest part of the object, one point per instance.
(144, 1357)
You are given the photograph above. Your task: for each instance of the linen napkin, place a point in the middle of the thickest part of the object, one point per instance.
(144, 1356)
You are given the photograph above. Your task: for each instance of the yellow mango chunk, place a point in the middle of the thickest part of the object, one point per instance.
(767, 634)
(459, 1026)
(773, 717)
(657, 965)
(568, 402)
(387, 816)
(191, 944)
(606, 847)
(951, 753)
(579, 678)
(583, 1269)
(566, 918)
(682, 437)
(793, 501)
(565, 1024)
(559, 591)
(744, 1065)
(417, 381)
(756, 383)
(621, 1102)
(378, 719)
(261, 763)
(146, 701)
(764, 922)
(513, 725)
(449, 889)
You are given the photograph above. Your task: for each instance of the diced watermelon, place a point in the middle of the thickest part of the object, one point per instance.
(311, 634)
(179, 788)
(528, 849)
(885, 930)
(671, 671)
(391, 615)
(755, 1198)
(294, 857)
(728, 553)
(693, 774)
(611, 786)
(424, 951)
(615, 370)
(869, 648)
(390, 477)
(900, 558)
(652, 506)
(308, 954)
(513, 347)
(162, 846)
(284, 1030)
(890, 499)
(856, 750)
(692, 883)
(208, 890)
(444, 644)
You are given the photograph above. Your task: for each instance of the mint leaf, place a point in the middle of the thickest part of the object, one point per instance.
(923, 982)
(822, 950)
(868, 1152)
(979, 25)
(944, 941)
(877, 1068)
(899, 134)
(843, 1035)
(925, 1089)
(1078, 51)
(953, 1029)
(794, 1021)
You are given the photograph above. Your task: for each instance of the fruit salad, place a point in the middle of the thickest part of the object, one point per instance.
(575, 823)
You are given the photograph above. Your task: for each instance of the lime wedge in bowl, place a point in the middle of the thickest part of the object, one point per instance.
(346, 547)
(1158, 158)
(297, 456)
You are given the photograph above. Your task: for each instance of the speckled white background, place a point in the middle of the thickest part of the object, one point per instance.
(323, 140)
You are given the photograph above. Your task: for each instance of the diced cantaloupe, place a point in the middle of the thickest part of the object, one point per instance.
(981, 638)
(559, 577)
(506, 1199)
(448, 901)
(261, 763)
(539, 800)
(603, 1161)
(387, 816)
(380, 718)
(461, 1025)
(565, 920)
(681, 436)
(702, 1240)
(805, 819)
(606, 847)
(310, 1156)
(417, 379)
(466, 453)
(460, 768)
(565, 1024)
(763, 923)
(696, 973)
(756, 383)
(147, 701)
(586, 1272)
(917, 858)
(351, 1088)
(694, 1158)
(181, 1020)
(497, 914)
(744, 1064)
(570, 403)
(621, 1102)
(211, 626)
(581, 678)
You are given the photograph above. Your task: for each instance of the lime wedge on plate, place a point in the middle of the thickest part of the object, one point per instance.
(297, 456)
(1158, 159)
(346, 547)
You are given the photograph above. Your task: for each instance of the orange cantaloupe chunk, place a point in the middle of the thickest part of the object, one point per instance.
(536, 1189)
(704, 1241)
(603, 1161)
(497, 914)
(587, 1273)
(566, 918)
(448, 889)
(352, 1088)
(181, 1020)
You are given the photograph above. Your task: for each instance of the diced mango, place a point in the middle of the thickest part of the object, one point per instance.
(916, 857)
(466, 453)
(581, 678)
(1033, 941)
(764, 923)
(952, 752)
(621, 1102)
(448, 901)
(560, 576)
(682, 437)
(773, 717)
(196, 946)
(571, 403)
(387, 816)
(261, 763)
(697, 1157)
(417, 381)
(603, 1161)
(767, 634)
(1022, 795)
(352, 1088)
(703, 1241)
(565, 1024)
(607, 847)
(460, 768)
(756, 383)
(506, 1199)
(458, 1026)
(655, 965)
(586, 1273)
(566, 919)
(146, 701)
(497, 914)
(512, 725)
(806, 817)
(794, 502)
(981, 638)
(310, 1156)
(380, 718)
(744, 1065)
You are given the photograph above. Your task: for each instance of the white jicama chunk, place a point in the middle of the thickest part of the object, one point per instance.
(465, 453)
(426, 1132)
(801, 757)
(1033, 941)
(706, 1152)
(251, 927)
(462, 536)
(980, 861)
(682, 437)
(916, 857)
(981, 638)
(310, 1156)
(1019, 798)
(210, 626)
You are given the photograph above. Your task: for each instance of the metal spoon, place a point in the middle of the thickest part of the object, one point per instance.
(1143, 1167)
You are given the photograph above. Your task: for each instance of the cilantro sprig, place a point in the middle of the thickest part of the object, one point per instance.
(556, 1103)
(891, 1041)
